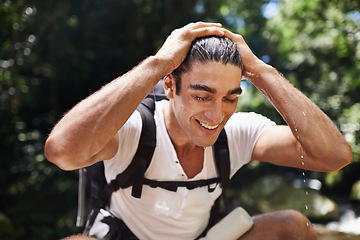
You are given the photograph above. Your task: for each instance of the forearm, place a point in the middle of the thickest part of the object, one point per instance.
(87, 128)
(313, 135)
(319, 139)
(88, 132)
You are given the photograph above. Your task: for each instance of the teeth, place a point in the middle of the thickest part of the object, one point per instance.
(208, 126)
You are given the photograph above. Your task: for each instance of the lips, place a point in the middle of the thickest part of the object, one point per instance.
(207, 126)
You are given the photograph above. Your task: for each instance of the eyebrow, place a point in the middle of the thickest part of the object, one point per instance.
(205, 88)
(202, 87)
(237, 91)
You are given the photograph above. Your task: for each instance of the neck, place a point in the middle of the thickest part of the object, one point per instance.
(191, 156)
(178, 138)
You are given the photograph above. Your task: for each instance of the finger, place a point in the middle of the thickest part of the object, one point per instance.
(232, 36)
(207, 24)
(207, 31)
(236, 38)
(202, 25)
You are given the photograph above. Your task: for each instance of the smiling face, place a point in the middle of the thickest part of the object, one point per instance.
(208, 98)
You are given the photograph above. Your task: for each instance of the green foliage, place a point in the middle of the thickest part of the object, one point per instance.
(318, 49)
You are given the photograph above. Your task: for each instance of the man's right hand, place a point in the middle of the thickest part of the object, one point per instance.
(88, 132)
(177, 45)
(252, 64)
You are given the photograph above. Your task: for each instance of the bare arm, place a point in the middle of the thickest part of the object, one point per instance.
(88, 132)
(311, 140)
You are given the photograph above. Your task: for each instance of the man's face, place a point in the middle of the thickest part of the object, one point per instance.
(208, 97)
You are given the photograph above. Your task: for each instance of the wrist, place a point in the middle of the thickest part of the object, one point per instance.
(158, 67)
(163, 64)
(257, 70)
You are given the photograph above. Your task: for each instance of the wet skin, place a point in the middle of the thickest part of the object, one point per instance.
(208, 98)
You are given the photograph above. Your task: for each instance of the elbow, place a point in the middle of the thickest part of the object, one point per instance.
(341, 158)
(56, 154)
(347, 155)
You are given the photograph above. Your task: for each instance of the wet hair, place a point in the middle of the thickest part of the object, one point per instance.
(206, 49)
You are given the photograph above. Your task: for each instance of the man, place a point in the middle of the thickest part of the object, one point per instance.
(203, 93)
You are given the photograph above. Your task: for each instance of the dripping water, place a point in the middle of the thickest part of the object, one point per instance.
(304, 180)
(306, 192)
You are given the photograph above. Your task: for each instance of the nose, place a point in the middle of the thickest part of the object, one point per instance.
(214, 112)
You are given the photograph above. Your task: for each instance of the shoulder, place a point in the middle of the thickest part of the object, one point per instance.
(246, 120)
(132, 125)
(243, 130)
(128, 140)
(246, 127)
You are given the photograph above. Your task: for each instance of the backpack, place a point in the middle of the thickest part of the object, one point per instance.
(133, 175)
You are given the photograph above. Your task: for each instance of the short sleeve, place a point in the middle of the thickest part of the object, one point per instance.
(243, 131)
(129, 136)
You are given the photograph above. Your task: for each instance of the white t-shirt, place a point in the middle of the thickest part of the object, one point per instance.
(184, 214)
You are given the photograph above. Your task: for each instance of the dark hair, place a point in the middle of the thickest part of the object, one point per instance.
(206, 49)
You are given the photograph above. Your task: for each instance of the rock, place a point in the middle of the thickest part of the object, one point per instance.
(273, 192)
(355, 191)
(6, 228)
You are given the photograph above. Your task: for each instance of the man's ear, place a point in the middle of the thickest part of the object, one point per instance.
(169, 86)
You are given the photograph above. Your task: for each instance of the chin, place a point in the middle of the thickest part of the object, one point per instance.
(204, 143)
(204, 138)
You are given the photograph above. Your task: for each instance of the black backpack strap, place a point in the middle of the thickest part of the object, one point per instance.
(96, 174)
(146, 145)
(98, 185)
(173, 185)
(222, 161)
(133, 175)
(158, 92)
(222, 158)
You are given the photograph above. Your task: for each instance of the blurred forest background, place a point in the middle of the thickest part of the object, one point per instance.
(55, 53)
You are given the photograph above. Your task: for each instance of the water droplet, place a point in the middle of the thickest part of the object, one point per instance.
(308, 224)
(303, 173)
(302, 163)
(307, 193)
(302, 156)
(306, 207)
